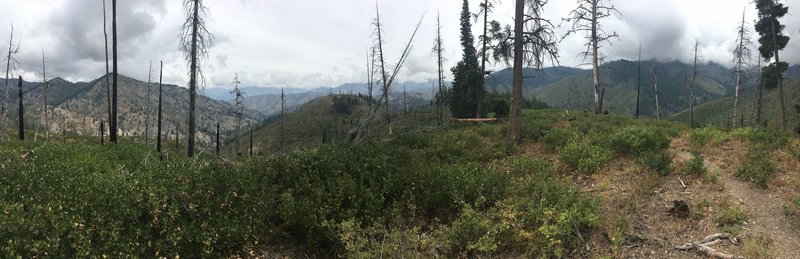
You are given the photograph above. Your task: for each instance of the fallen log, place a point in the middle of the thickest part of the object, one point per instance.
(704, 246)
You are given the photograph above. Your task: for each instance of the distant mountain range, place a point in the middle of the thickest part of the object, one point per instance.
(80, 107)
(563, 87)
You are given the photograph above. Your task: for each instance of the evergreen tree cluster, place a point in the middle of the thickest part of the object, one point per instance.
(467, 75)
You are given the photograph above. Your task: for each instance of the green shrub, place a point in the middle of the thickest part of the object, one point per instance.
(528, 166)
(730, 217)
(535, 123)
(696, 166)
(639, 140)
(658, 161)
(700, 137)
(770, 138)
(559, 137)
(551, 213)
(585, 157)
(471, 232)
(757, 167)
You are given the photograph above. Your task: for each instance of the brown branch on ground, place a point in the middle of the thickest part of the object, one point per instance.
(704, 246)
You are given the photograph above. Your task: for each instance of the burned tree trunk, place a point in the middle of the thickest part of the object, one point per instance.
(21, 112)
(160, 96)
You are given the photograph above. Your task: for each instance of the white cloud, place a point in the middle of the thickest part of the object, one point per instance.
(309, 43)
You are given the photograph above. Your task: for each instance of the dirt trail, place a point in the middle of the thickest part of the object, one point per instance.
(764, 207)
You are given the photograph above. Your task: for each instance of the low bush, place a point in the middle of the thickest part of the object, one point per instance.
(557, 138)
(658, 161)
(696, 166)
(757, 167)
(701, 137)
(730, 218)
(638, 140)
(585, 157)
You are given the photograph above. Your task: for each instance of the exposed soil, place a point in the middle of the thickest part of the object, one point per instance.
(636, 206)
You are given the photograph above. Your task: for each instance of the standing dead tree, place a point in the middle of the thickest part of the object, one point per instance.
(113, 123)
(107, 75)
(639, 82)
(759, 95)
(695, 61)
(362, 131)
(741, 57)
(147, 117)
(586, 19)
(11, 65)
(160, 96)
(195, 41)
(283, 115)
(45, 118)
(485, 8)
(438, 49)
(655, 86)
(21, 111)
(239, 112)
(532, 42)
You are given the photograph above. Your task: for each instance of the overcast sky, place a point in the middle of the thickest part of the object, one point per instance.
(312, 43)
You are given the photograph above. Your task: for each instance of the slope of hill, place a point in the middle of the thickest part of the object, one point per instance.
(577, 186)
(718, 112)
(325, 119)
(79, 107)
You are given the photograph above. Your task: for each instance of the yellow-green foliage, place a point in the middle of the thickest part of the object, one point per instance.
(586, 157)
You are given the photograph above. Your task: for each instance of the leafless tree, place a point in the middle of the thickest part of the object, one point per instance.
(695, 61)
(533, 42)
(283, 115)
(386, 79)
(239, 106)
(438, 49)
(11, 65)
(113, 122)
(741, 57)
(21, 111)
(147, 117)
(586, 19)
(160, 96)
(655, 86)
(107, 75)
(639, 82)
(195, 41)
(759, 94)
(45, 86)
(484, 10)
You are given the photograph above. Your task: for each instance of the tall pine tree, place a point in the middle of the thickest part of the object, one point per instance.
(467, 75)
(772, 40)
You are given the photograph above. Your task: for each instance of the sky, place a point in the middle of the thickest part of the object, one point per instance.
(323, 43)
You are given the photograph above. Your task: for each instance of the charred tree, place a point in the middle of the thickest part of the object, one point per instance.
(45, 86)
(695, 71)
(11, 64)
(655, 87)
(438, 49)
(532, 42)
(639, 82)
(586, 19)
(741, 56)
(21, 112)
(113, 122)
(239, 112)
(160, 96)
(107, 75)
(195, 42)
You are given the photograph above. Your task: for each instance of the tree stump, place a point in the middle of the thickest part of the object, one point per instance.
(679, 209)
